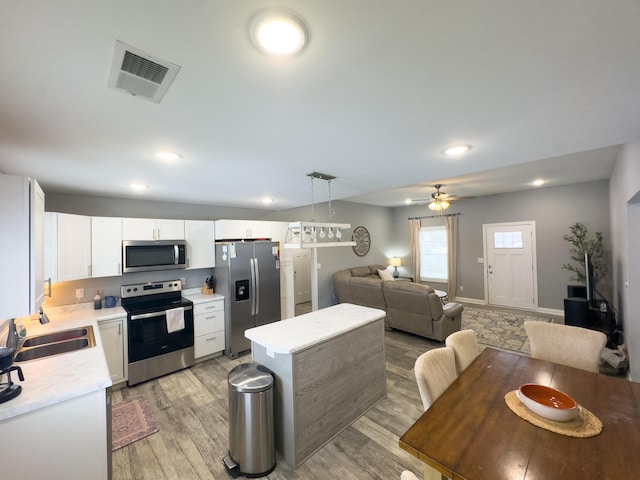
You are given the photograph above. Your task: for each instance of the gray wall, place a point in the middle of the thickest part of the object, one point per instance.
(625, 222)
(121, 207)
(553, 209)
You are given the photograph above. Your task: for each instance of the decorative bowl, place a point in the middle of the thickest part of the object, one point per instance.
(548, 402)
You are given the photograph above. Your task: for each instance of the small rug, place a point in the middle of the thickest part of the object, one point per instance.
(131, 420)
(500, 328)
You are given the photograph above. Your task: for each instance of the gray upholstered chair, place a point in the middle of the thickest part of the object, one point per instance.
(435, 370)
(465, 347)
(565, 344)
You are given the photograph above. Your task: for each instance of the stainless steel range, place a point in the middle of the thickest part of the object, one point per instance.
(160, 329)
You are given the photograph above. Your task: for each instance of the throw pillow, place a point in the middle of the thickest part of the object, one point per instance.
(385, 275)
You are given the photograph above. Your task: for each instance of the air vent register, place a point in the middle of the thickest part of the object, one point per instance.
(140, 74)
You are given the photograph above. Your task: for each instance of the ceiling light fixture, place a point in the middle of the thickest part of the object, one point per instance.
(279, 33)
(456, 150)
(139, 187)
(538, 182)
(267, 200)
(438, 205)
(167, 155)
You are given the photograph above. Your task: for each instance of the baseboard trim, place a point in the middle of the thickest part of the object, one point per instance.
(479, 301)
(475, 301)
(551, 311)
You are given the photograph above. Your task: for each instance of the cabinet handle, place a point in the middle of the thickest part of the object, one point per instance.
(211, 338)
(119, 329)
(120, 268)
(89, 270)
(209, 318)
(48, 280)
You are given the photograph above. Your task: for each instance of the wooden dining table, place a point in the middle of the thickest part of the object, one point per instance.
(470, 433)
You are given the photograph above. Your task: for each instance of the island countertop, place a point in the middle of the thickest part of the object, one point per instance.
(298, 333)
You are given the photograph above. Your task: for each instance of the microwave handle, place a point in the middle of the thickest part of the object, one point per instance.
(140, 316)
(176, 255)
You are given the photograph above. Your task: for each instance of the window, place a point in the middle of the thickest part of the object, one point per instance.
(507, 240)
(433, 254)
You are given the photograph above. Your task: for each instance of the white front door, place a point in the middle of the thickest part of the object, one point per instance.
(301, 276)
(510, 265)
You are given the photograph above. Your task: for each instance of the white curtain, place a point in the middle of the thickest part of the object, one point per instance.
(451, 223)
(414, 247)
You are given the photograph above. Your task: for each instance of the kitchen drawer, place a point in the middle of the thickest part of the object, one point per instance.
(208, 344)
(199, 308)
(208, 322)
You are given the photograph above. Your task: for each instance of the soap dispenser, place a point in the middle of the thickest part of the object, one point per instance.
(97, 301)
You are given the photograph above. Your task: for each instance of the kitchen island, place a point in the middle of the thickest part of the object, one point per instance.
(329, 368)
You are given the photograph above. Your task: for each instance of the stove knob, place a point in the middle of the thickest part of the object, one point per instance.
(128, 290)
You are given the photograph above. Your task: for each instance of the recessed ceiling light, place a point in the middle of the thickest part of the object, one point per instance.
(279, 33)
(139, 187)
(267, 200)
(456, 150)
(408, 201)
(167, 155)
(538, 182)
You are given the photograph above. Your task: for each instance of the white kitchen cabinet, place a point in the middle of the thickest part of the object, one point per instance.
(200, 238)
(106, 246)
(50, 247)
(74, 247)
(242, 229)
(208, 327)
(64, 440)
(22, 244)
(152, 229)
(113, 334)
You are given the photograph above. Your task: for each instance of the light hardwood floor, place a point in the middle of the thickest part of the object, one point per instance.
(191, 409)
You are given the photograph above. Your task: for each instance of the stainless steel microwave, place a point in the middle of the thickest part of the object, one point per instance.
(147, 255)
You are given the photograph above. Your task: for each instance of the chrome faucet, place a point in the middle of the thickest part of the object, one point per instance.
(43, 317)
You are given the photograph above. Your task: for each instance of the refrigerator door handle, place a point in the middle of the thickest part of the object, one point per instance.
(253, 285)
(256, 287)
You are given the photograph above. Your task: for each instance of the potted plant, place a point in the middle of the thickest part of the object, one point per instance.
(582, 242)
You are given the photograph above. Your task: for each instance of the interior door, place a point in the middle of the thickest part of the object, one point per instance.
(301, 276)
(510, 265)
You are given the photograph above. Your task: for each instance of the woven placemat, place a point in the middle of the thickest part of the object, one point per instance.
(585, 425)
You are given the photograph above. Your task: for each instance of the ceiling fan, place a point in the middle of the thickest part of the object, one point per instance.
(439, 200)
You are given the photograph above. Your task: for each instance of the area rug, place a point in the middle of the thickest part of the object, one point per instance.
(131, 420)
(500, 328)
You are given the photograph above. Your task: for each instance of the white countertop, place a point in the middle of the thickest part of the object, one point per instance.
(195, 296)
(298, 333)
(54, 379)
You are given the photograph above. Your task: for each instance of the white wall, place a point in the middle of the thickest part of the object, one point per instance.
(624, 188)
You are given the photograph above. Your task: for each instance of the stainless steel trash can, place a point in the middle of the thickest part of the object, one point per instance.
(252, 450)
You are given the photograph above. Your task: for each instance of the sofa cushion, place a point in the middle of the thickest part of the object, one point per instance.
(360, 271)
(385, 275)
(367, 291)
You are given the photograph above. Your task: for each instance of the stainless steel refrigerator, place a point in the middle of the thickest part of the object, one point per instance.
(248, 275)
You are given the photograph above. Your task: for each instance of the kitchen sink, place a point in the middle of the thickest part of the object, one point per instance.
(56, 343)
(56, 336)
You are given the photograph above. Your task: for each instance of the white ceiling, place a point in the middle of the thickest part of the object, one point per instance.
(539, 89)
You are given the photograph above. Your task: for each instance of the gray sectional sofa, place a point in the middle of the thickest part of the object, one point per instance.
(410, 307)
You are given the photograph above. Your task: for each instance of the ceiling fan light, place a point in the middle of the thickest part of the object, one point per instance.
(444, 204)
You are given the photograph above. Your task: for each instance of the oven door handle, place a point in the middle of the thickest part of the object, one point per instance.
(140, 316)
